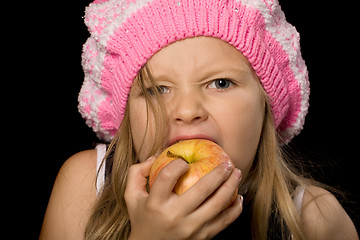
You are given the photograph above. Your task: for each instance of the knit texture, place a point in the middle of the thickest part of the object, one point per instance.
(126, 33)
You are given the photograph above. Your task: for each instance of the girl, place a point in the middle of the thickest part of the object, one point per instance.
(161, 71)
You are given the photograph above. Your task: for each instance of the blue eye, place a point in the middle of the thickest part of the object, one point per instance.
(221, 83)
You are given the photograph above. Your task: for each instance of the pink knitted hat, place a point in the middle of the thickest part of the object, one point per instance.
(126, 33)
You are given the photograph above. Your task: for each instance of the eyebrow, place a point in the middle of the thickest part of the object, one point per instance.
(224, 70)
(218, 70)
(209, 71)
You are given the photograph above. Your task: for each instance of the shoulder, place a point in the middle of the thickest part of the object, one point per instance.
(324, 217)
(78, 173)
(72, 198)
(80, 164)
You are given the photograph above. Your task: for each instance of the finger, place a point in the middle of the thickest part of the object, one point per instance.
(223, 220)
(137, 180)
(206, 186)
(221, 198)
(167, 178)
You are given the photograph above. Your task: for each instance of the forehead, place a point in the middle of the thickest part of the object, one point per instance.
(197, 54)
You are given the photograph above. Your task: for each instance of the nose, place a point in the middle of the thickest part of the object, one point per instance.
(188, 108)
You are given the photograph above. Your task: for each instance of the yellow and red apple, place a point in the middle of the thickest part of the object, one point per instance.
(202, 156)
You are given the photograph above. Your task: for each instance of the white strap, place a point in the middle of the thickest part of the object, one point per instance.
(100, 154)
(298, 198)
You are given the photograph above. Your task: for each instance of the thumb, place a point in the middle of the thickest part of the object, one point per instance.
(137, 180)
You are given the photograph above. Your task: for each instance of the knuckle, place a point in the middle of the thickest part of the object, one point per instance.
(201, 189)
(165, 174)
(132, 170)
(188, 232)
(219, 204)
(172, 170)
(228, 187)
(207, 231)
(228, 220)
(172, 221)
(152, 206)
(221, 172)
(204, 235)
(174, 218)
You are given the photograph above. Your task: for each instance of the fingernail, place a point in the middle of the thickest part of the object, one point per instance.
(241, 199)
(227, 165)
(238, 174)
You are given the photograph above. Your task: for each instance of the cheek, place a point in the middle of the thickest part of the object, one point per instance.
(242, 133)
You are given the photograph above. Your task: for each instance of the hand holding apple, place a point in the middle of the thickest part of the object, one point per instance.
(203, 210)
(202, 156)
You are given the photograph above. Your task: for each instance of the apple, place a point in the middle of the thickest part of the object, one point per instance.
(202, 156)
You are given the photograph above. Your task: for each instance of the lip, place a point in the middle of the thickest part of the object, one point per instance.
(188, 137)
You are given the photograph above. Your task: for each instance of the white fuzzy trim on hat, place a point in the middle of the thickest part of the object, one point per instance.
(103, 19)
(91, 91)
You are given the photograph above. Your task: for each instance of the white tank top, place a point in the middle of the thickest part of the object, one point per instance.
(100, 169)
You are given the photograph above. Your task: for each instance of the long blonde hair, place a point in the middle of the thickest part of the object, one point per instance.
(268, 186)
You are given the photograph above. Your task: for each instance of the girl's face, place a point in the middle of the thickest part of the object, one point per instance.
(210, 91)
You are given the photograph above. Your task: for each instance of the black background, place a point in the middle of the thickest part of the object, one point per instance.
(53, 130)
